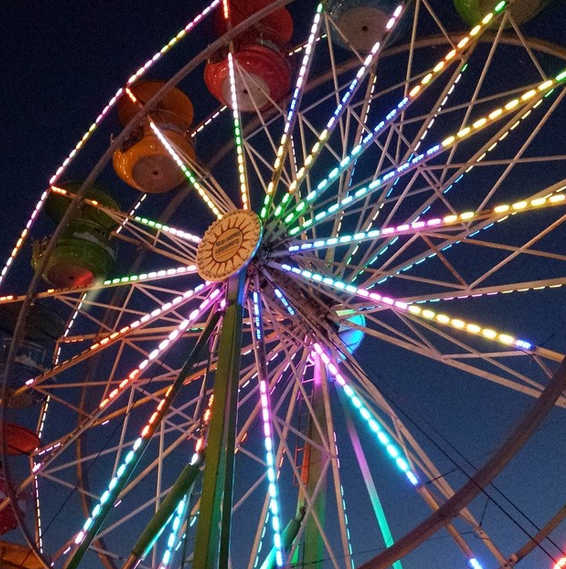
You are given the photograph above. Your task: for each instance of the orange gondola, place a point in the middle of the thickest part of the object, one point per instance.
(16, 556)
(143, 161)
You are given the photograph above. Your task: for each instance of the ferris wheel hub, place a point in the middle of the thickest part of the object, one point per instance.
(228, 245)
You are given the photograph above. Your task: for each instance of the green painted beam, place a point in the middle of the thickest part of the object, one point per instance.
(370, 485)
(212, 542)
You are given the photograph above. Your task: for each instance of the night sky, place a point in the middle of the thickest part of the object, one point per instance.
(60, 62)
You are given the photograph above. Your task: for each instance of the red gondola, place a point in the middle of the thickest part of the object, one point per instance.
(264, 76)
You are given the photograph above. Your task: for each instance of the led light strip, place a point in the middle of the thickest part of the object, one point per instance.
(456, 179)
(261, 538)
(437, 222)
(266, 415)
(124, 471)
(412, 95)
(142, 220)
(188, 269)
(427, 314)
(493, 293)
(242, 176)
(118, 335)
(417, 146)
(154, 275)
(208, 120)
(348, 535)
(293, 107)
(23, 235)
(382, 437)
(141, 71)
(411, 164)
(343, 105)
(284, 302)
(166, 229)
(132, 212)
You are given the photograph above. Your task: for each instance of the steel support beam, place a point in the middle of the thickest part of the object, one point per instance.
(212, 542)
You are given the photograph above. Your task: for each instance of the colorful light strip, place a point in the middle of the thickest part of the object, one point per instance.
(167, 229)
(370, 225)
(132, 212)
(266, 415)
(382, 437)
(427, 314)
(343, 105)
(163, 345)
(293, 108)
(242, 176)
(23, 235)
(141, 71)
(188, 174)
(470, 327)
(132, 457)
(390, 176)
(261, 538)
(284, 302)
(426, 81)
(437, 222)
(456, 179)
(142, 220)
(208, 121)
(162, 273)
(153, 275)
(345, 514)
(522, 288)
(118, 335)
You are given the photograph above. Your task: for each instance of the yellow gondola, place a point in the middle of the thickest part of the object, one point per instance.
(143, 161)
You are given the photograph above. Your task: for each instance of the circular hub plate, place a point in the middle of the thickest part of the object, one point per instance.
(228, 245)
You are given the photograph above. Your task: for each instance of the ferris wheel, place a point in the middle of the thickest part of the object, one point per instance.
(303, 272)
